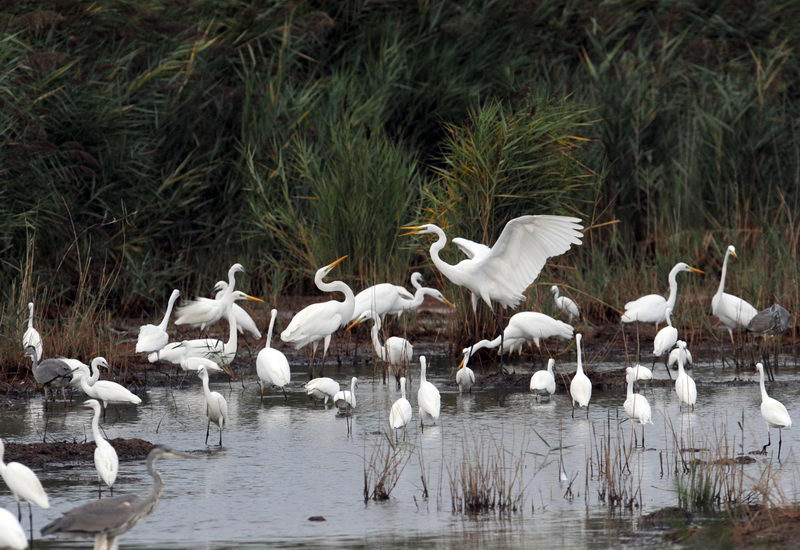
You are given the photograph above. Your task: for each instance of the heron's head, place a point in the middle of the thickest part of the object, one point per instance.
(354, 382)
(30, 307)
(327, 269)
(578, 338)
(439, 296)
(239, 295)
(418, 229)
(92, 404)
(732, 250)
(202, 373)
(100, 362)
(759, 368)
(220, 286)
(682, 266)
(554, 289)
(162, 451)
(235, 268)
(681, 344)
(360, 319)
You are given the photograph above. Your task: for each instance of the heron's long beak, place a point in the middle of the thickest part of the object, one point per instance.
(253, 298)
(463, 360)
(733, 254)
(337, 262)
(354, 324)
(411, 229)
(227, 370)
(175, 454)
(448, 302)
(695, 270)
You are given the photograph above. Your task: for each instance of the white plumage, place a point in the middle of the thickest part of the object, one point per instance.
(544, 381)
(429, 401)
(636, 405)
(733, 312)
(580, 388)
(638, 373)
(154, 337)
(346, 400)
(465, 377)
(322, 388)
(31, 337)
(653, 307)
(565, 305)
(104, 390)
(673, 357)
(527, 326)
(106, 461)
(401, 412)
(216, 406)
(666, 337)
(684, 384)
(396, 352)
(22, 482)
(244, 323)
(11, 533)
(772, 411)
(272, 366)
(204, 312)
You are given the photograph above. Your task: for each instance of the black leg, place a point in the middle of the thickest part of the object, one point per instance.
(19, 512)
(587, 411)
(666, 365)
(220, 437)
(207, 428)
(780, 443)
(30, 521)
(99, 489)
(286, 397)
(769, 441)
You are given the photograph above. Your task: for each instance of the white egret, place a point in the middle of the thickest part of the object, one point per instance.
(383, 297)
(204, 312)
(653, 307)
(465, 377)
(733, 312)
(665, 339)
(319, 321)
(773, 412)
(11, 533)
(565, 305)
(345, 401)
(396, 352)
(104, 390)
(31, 337)
(244, 323)
(637, 407)
(194, 364)
(543, 382)
(216, 406)
(23, 484)
(580, 388)
(673, 357)
(106, 461)
(272, 366)
(154, 337)
(501, 273)
(684, 384)
(401, 412)
(526, 326)
(429, 401)
(638, 373)
(322, 388)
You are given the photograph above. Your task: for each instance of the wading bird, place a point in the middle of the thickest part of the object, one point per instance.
(684, 384)
(501, 273)
(105, 390)
(401, 412)
(204, 312)
(638, 373)
(673, 357)
(345, 401)
(322, 388)
(50, 372)
(771, 321)
(32, 338)
(396, 352)
(565, 305)
(526, 326)
(272, 366)
(11, 533)
(428, 399)
(665, 339)
(216, 406)
(653, 307)
(465, 377)
(154, 337)
(732, 311)
(580, 388)
(637, 407)
(773, 412)
(107, 519)
(106, 461)
(244, 323)
(384, 298)
(543, 382)
(24, 485)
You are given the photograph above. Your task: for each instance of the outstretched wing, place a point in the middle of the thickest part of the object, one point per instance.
(473, 250)
(519, 255)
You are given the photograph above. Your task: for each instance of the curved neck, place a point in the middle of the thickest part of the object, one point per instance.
(94, 372)
(34, 361)
(550, 367)
(721, 287)
(764, 395)
(681, 372)
(416, 280)
(436, 247)
(668, 315)
(376, 342)
(338, 286)
(271, 326)
(158, 483)
(673, 286)
(206, 390)
(170, 304)
(231, 345)
(353, 392)
(98, 437)
(556, 293)
(231, 280)
(580, 359)
(487, 344)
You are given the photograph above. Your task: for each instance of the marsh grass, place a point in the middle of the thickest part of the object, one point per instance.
(384, 467)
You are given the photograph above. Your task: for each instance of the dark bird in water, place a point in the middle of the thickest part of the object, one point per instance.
(50, 371)
(773, 320)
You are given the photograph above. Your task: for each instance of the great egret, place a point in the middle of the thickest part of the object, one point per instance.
(204, 312)
(24, 485)
(56, 372)
(653, 307)
(216, 406)
(396, 352)
(109, 518)
(106, 461)
(105, 390)
(732, 311)
(501, 273)
(565, 305)
(543, 382)
(272, 366)
(345, 400)
(11, 533)
(638, 373)
(383, 297)
(684, 385)
(322, 388)
(428, 399)
(32, 338)
(526, 326)
(154, 337)
(665, 338)
(773, 412)
(319, 321)
(580, 388)
(244, 323)
(637, 407)
(673, 357)
(465, 377)
(401, 412)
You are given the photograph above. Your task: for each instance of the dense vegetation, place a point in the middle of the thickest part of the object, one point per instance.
(146, 144)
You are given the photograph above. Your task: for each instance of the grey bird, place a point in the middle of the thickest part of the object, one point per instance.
(109, 518)
(50, 372)
(773, 320)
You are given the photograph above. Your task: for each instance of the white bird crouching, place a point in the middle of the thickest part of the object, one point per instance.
(543, 382)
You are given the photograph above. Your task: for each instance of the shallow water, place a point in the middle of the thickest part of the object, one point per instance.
(286, 460)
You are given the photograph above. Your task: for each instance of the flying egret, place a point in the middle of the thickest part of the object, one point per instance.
(32, 338)
(204, 312)
(565, 305)
(773, 412)
(665, 339)
(732, 311)
(24, 485)
(104, 390)
(684, 385)
(401, 412)
(109, 518)
(216, 406)
(653, 307)
(56, 372)
(396, 352)
(580, 388)
(272, 366)
(465, 377)
(428, 399)
(501, 273)
(11, 533)
(322, 388)
(637, 407)
(244, 323)
(154, 337)
(543, 382)
(673, 357)
(319, 321)
(106, 461)
(526, 326)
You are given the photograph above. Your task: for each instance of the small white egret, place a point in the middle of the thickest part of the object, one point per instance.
(665, 339)
(322, 388)
(501, 273)
(106, 461)
(773, 412)
(652, 308)
(637, 407)
(684, 384)
(401, 412)
(580, 388)
(11, 533)
(638, 373)
(23, 484)
(31, 337)
(345, 401)
(154, 337)
(733, 312)
(543, 382)
(396, 352)
(429, 401)
(465, 376)
(673, 357)
(216, 406)
(565, 305)
(104, 390)
(204, 312)
(272, 366)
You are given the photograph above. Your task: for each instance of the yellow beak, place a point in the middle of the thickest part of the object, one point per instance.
(353, 324)
(448, 302)
(733, 254)
(695, 270)
(254, 299)
(337, 262)
(411, 229)
(463, 360)
(227, 370)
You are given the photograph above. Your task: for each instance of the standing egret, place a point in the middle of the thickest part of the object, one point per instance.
(32, 338)
(684, 385)
(653, 307)
(216, 406)
(428, 399)
(526, 326)
(345, 401)
(55, 372)
(673, 357)
(107, 519)
(11, 533)
(24, 485)
(106, 461)
(322, 388)
(244, 323)
(396, 352)
(773, 412)
(104, 390)
(401, 412)
(154, 337)
(732, 311)
(465, 376)
(543, 382)
(319, 321)
(419, 296)
(272, 366)
(501, 273)
(580, 388)
(665, 339)
(204, 312)
(565, 305)
(637, 407)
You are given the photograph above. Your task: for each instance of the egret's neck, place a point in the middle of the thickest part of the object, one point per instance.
(231, 280)
(349, 303)
(764, 395)
(673, 287)
(721, 287)
(419, 297)
(630, 383)
(30, 317)
(416, 280)
(376, 343)
(206, 390)
(2, 453)
(403, 389)
(579, 369)
(669, 320)
(98, 437)
(422, 373)
(170, 304)
(158, 482)
(94, 374)
(556, 293)
(271, 326)
(231, 345)
(681, 372)
(353, 392)
(436, 247)
(550, 368)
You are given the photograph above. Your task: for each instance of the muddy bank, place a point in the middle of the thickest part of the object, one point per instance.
(43, 455)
